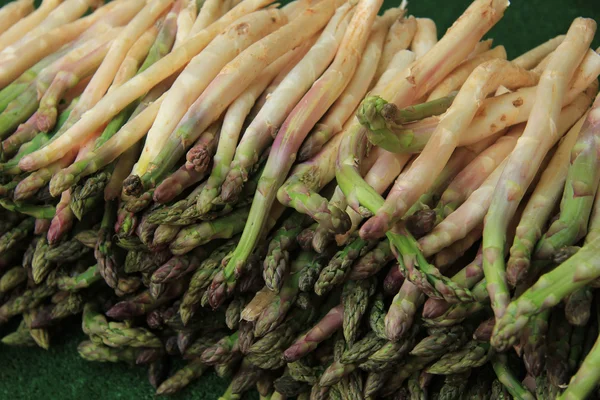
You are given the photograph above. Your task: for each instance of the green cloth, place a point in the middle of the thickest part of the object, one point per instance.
(59, 373)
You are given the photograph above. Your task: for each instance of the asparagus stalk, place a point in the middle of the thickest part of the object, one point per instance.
(528, 154)
(507, 378)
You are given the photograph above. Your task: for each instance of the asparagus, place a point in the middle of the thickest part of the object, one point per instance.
(559, 335)
(577, 307)
(372, 262)
(183, 377)
(12, 278)
(507, 378)
(107, 256)
(11, 238)
(472, 355)
(355, 299)
(277, 259)
(20, 337)
(534, 344)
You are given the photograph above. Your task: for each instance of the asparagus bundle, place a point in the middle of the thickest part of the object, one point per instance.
(168, 175)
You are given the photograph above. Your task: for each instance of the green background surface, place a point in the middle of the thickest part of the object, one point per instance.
(59, 373)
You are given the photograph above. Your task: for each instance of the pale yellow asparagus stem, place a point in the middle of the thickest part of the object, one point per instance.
(453, 252)
(208, 14)
(22, 27)
(105, 75)
(459, 75)
(425, 37)
(539, 136)
(399, 37)
(451, 50)
(35, 49)
(477, 171)
(121, 171)
(12, 13)
(200, 72)
(485, 78)
(534, 56)
(345, 105)
(113, 103)
(471, 213)
(540, 205)
(233, 122)
(512, 108)
(481, 47)
(135, 56)
(285, 96)
(185, 21)
(259, 302)
(66, 12)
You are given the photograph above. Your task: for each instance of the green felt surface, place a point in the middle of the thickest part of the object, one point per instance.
(59, 373)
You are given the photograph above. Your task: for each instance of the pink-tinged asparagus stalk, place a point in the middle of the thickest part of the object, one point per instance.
(472, 211)
(24, 105)
(296, 127)
(233, 122)
(324, 329)
(23, 22)
(199, 156)
(233, 79)
(123, 167)
(63, 219)
(448, 53)
(63, 13)
(33, 50)
(459, 75)
(45, 118)
(282, 100)
(540, 134)
(580, 189)
(13, 12)
(399, 37)
(345, 106)
(35, 181)
(105, 74)
(540, 206)
(484, 79)
(450, 254)
(128, 135)
(425, 37)
(474, 174)
(200, 72)
(534, 56)
(115, 101)
(176, 183)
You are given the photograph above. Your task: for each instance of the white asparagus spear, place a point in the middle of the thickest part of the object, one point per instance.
(35, 49)
(485, 79)
(534, 56)
(425, 37)
(200, 72)
(12, 13)
(209, 13)
(113, 103)
(527, 156)
(345, 106)
(65, 13)
(459, 75)
(21, 27)
(233, 123)
(399, 37)
(261, 130)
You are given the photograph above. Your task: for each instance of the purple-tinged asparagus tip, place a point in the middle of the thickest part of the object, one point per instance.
(125, 310)
(132, 186)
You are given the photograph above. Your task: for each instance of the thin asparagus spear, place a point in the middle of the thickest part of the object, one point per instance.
(534, 56)
(117, 100)
(484, 79)
(342, 109)
(183, 377)
(507, 378)
(399, 36)
(573, 274)
(282, 100)
(586, 378)
(527, 156)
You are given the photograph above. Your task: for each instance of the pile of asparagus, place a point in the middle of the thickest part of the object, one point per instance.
(204, 180)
